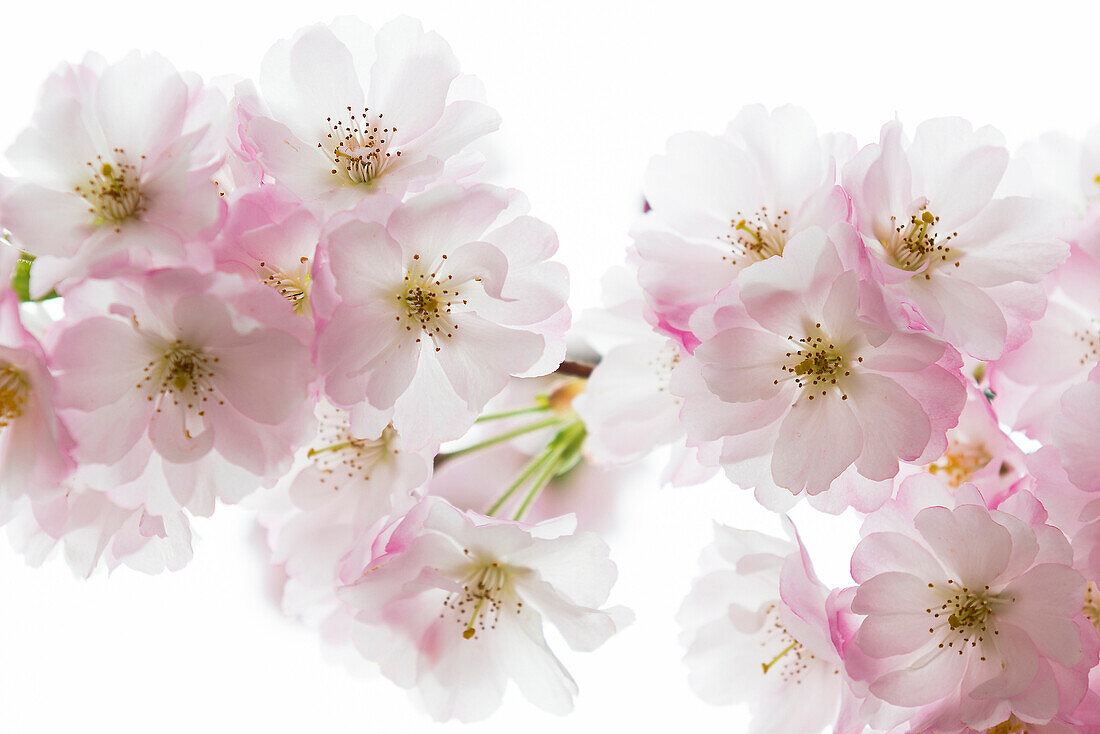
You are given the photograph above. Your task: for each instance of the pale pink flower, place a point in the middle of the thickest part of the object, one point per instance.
(972, 615)
(346, 112)
(626, 405)
(458, 294)
(1076, 513)
(1029, 381)
(344, 486)
(189, 368)
(722, 203)
(978, 452)
(1086, 720)
(115, 169)
(806, 383)
(756, 625)
(452, 604)
(953, 258)
(91, 530)
(35, 446)
(271, 236)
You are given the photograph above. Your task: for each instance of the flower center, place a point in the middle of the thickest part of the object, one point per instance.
(1011, 726)
(485, 594)
(966, 616)
(915, 244)
(112, 190)
(960, 462)
(339, 455)
(755, 237)
(183, 375)
(427, 299)
(815, 363)
(13, 394)
(294, 287)
(787, 657)
(359, 146)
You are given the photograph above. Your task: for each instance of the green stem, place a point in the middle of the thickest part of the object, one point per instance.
(530, 468)
(545, 474)
(506, 436)
(564, 443)
(511, 413)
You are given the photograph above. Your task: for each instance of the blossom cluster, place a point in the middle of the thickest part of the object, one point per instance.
(302, 294)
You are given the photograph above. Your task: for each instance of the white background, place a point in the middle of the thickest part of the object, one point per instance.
(588, 91)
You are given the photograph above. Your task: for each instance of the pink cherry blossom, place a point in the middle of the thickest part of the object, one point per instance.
(452, 604)
(757, 629)
(346, 112)
(978, 452)
(1076, 513)
(345, 485)
(187, 367)
(972, 615)
(953, 257)
(115, 169)
(457, 291)
(722, 203)
(91, 530)
(807, 384)
(626, 405)
(1030, 381)
(35, 446)
(272, 237)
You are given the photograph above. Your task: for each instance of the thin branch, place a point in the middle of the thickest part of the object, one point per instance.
(575, 369)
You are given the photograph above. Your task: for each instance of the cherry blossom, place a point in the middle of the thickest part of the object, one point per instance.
(35, 446)
(312, 290)
(953, 257)
(1076, 513)
(272, 237)
(808, 385)
(757, 629)
(457, 289)
(626, 405)
(1029, 381)
(452, 604)
(344, 112)
(92, 530)
(722, 203)
(180, 364)
(972, 615)
(345, 485)
(978, 452)
(116, 169)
